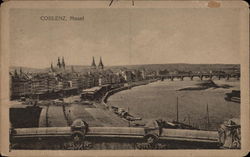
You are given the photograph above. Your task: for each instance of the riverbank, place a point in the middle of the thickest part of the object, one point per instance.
(121, 112)
(125, 87)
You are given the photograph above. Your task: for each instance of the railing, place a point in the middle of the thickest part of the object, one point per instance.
(79, 134)
(119, 135)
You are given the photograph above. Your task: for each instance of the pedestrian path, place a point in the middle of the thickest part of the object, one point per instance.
(106, 118)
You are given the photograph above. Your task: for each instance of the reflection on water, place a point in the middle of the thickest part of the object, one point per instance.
(158, 100)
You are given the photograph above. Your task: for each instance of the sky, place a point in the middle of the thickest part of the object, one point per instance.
(125, 36)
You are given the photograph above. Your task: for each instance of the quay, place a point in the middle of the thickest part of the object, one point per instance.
(59, 113)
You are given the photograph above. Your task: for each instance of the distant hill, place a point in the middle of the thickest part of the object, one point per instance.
(26, 69)
(151, 67)
(181, 67)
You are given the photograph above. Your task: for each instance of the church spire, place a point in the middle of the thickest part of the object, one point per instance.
(51, 67)
(63, 63)
(58, 62)
(93, 65)
(100, 66)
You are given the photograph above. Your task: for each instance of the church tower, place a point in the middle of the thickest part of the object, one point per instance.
(93, 65)
(63, 63)
(58, 63)
(51, 67)
(100, 66)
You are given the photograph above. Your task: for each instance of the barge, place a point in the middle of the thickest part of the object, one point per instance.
(234, 96)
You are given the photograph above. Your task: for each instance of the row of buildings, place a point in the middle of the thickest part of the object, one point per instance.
(59, 78)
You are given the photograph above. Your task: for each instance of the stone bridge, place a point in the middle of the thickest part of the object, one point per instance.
(180, 76)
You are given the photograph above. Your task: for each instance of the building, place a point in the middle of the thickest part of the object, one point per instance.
(100, 66)
(143, 74)
(20, 84)
(93, 65)
(60, 66)
(137, 75)
(40, 83)
(127, 75)
(60, 79)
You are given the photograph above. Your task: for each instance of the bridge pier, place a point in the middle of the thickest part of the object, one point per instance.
(210, 76)
(182, 78)
(201, 77)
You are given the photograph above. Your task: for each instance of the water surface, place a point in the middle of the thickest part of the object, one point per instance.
(159, 99)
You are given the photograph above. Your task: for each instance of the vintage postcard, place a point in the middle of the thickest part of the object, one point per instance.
(124, 78)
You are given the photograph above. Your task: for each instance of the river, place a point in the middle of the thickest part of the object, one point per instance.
(158, 100)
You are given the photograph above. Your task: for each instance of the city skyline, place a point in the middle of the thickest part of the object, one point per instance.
(121, 37)
(54, 63)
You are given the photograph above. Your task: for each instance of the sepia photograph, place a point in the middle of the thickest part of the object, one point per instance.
(125, 78)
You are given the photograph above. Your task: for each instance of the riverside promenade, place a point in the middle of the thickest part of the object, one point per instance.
(95, 113)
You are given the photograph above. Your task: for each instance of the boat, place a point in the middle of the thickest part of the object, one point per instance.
(234, 96)
(124, 114)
